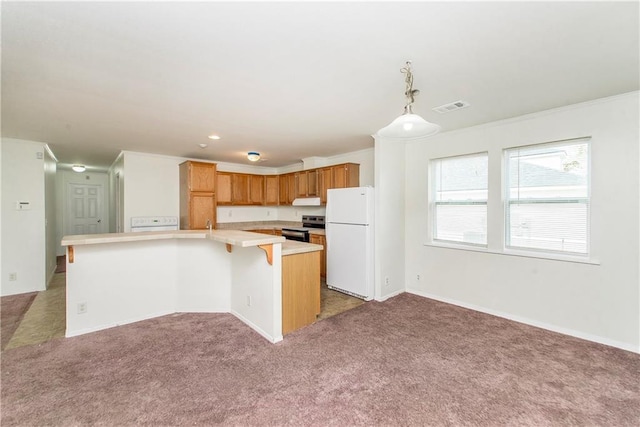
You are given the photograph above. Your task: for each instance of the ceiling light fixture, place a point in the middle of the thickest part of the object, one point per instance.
(409, 125)
(202, 145)
(78, 168)
(253, 156)
(214, 137)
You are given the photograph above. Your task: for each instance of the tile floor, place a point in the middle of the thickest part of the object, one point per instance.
(45, 319)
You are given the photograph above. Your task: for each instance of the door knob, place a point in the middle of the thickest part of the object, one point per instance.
(99, 221)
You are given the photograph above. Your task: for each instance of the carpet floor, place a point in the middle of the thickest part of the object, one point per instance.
(406, 361)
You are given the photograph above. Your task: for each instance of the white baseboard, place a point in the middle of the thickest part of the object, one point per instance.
(391, 295)
(258, 329)
(531, 322)
(69, 334)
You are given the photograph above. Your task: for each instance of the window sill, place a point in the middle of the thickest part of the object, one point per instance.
(516, 253)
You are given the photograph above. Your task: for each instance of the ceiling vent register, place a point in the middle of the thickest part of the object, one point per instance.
(452, 106)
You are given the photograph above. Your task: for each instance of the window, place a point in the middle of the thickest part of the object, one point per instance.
(460, 199)
(547, 197)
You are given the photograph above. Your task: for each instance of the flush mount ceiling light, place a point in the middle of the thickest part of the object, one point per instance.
(78, 168)
(202, 145)
(409, 125)
(253, 156)
(216, 137)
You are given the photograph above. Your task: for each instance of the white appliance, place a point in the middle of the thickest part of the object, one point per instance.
(154, 223)
(350, 244)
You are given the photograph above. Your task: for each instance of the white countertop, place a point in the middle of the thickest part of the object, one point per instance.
(232, 237)
(293, 247)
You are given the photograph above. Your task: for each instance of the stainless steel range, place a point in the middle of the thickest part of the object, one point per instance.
(301, 234)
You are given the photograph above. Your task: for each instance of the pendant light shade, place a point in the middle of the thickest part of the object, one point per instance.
(409, 125)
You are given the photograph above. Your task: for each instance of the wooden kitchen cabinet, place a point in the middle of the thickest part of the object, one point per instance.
(271, 190)
(301, 184)
(300, 290)
(223, 188)
(240, 188)
(312, 183)
(325, 182)
(256, 189)
(197, 195)
(283, 190)
(346, 175)
(287, 186)
(319, 239)
(307, 183)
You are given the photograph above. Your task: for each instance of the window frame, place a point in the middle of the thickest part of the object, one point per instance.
(511, 249)
(433, 203)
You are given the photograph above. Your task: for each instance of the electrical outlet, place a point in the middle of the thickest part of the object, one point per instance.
(230, 213)
(268, 213)
(82, 308)
(418, 277)
(386, 281)
(248, 300)
(13, 277)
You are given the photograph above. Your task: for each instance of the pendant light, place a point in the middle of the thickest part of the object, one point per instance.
(409, 125)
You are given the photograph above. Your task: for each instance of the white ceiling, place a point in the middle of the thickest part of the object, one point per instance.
(293, 80)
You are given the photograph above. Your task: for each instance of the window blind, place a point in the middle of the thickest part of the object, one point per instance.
(460, 199)
(547, 197)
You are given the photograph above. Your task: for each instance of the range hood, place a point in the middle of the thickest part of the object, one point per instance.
(306, 201)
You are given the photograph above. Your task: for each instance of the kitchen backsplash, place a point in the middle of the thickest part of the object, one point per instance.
(227, 214)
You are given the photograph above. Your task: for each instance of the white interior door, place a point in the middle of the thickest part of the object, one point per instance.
(84, 209)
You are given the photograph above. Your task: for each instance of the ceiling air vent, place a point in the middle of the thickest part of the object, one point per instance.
(452, 106)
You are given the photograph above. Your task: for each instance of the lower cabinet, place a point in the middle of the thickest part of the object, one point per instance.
(300, 290)
(319, 239)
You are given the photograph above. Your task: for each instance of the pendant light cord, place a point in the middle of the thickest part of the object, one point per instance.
(410, 92)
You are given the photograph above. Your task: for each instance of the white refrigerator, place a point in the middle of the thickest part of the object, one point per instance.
(350, 240)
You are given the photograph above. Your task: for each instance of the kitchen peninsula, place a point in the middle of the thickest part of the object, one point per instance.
(119, 278)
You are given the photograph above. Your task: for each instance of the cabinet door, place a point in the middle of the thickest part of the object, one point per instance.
(320, 240)
(312, 183)
(202, 208)
(223, 182)
(339, 176)
(202, 177)
(283, 189)
(271, 190)
(352, 175)
(301, 184)
(346, 175)
(291, 188)
(325, 182)
(256, 189)
(240, 188)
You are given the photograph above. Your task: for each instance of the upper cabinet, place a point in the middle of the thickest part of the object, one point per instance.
(325, 182)
(287, 188)
(271, 190)
(307, 183)
(256, 189)
(197, 195)
(240, 189)
(223, 183)
(346, 175)
(201, 176)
